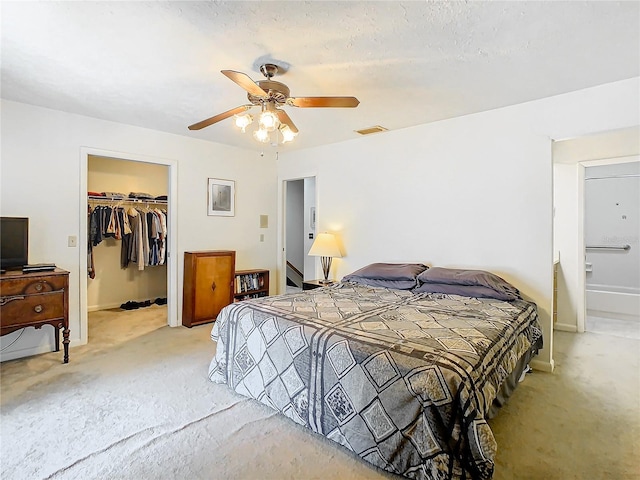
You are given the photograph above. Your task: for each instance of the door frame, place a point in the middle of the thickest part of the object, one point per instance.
(281, 280)
(172, 206)
(582, 253)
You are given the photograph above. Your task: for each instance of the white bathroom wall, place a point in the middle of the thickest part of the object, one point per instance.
(612, 240)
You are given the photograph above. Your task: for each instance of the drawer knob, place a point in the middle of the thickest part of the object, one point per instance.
(38, 287)
(213, 286)
(37, 308)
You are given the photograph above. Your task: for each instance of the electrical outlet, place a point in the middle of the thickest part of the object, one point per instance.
(262, 237)
(72, 241)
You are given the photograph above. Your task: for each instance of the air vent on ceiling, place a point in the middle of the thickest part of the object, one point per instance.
(370, 130)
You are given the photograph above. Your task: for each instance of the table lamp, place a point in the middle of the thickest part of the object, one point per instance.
(325, 246)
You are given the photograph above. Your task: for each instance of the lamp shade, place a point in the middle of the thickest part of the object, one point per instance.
(325, 245)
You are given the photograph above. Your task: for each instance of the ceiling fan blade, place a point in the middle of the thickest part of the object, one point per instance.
(306, 102)
(245, 82)
(217, 118)
(284, 118)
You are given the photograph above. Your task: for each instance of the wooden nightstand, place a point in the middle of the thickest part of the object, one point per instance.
(311, 284)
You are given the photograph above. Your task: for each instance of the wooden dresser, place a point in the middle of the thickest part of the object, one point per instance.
(36, 299)
(208, 285)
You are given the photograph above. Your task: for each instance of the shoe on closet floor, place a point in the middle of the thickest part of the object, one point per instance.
(129, 305)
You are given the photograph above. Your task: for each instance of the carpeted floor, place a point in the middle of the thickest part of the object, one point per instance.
(136, 403)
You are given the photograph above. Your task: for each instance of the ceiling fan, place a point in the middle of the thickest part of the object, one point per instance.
(271, 96)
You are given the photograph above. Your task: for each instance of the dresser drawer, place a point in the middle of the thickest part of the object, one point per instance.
(27, 309)
(31, 285)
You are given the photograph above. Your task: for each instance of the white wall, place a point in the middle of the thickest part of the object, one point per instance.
(113, 285)
(565, 239)
(474, 191)
(612, 208)
(41, 171)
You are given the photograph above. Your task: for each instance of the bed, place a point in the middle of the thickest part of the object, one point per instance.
(404, 375)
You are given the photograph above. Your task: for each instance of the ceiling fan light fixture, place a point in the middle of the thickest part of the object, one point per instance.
(270, 95)
(261, 135)
(269, 120)
(287, 134)
(243, 121)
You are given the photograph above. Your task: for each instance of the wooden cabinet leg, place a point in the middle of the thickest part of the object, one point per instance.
(65, 342)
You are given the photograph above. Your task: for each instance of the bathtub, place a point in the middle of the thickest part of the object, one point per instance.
(613, 302)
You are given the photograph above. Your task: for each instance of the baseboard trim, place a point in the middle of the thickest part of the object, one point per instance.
(566, 327)
(108, 306)
(27, 352)
(542, 366)
(613, 315)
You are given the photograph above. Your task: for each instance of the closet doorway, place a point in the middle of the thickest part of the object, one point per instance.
(138, 294)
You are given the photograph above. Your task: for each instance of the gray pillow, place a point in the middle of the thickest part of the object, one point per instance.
(400, 276)
(475, 291)
(375, 282)
(480, 278)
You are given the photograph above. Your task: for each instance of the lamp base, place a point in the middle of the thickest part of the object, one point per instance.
(325, 281)
(326, 267)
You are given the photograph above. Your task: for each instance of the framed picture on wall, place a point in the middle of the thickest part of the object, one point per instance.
(221, 197)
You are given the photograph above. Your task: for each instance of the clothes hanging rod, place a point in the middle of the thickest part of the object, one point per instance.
(137, 201)
(608, 247)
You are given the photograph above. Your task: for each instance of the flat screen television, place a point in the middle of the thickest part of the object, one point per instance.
(14, 242)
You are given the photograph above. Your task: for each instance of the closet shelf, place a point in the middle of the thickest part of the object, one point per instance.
(127, 200)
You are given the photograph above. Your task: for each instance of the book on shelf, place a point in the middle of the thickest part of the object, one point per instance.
(248, 282)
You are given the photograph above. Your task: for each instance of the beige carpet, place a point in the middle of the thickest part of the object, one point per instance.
(136, 403)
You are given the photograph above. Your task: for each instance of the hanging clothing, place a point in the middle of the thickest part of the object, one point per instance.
(142, 232)
(92, 228)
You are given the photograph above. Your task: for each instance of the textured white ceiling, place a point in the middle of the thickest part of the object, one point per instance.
(157, 64)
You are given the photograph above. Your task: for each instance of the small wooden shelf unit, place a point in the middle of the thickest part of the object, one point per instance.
(251, 284)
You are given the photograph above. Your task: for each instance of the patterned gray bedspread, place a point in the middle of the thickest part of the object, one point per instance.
(403, 380)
